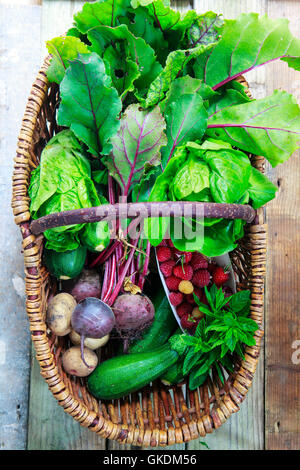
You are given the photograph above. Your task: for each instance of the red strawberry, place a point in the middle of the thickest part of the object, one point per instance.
(187, 321)
(198, 261)
(167, 267)
(211, 267)
(163, 243)
(186, 256)
(183, 309)
(190, 299)
(199, 293)
(219, 276)
(201, 278)
(172, 283)
(163, 253)
(184, 272)
(176, 298)
(170, 243)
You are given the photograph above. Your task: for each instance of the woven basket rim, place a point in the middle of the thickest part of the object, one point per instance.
(35, 275)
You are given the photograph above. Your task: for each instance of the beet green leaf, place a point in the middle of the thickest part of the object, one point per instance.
(175, 65)
(247, 42)
(268, 127)
(100, 13)
(63, 49)
(134, 49)
(136, 146)
(89, 105)
(205, 29)
(186, 119)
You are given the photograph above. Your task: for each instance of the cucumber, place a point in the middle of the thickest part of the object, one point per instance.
(96, 236)
(128, 373)
(161, 329)
(65, 265)
(174, 374)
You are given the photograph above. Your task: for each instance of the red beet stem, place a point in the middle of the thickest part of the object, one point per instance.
(119, 284)
(145, 268)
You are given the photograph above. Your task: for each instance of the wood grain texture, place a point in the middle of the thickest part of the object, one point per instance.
(23, 55)
(283, 281)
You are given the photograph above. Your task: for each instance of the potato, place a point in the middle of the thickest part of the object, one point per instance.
(73, 364)
(91, 343)
(59, 312)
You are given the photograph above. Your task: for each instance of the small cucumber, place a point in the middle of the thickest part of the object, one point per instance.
(96, 236)
(161, 329)
(128, 373)
(65, 265)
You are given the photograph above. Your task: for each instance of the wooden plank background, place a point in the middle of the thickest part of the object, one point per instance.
(270, 416)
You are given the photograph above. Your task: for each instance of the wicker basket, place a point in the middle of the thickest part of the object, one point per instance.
(158, 415)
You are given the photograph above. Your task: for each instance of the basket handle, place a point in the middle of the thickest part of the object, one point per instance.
(143, 209)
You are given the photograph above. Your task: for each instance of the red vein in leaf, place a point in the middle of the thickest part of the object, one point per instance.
(126, 190)
(157, 20)
(222, 126)
(92, 109)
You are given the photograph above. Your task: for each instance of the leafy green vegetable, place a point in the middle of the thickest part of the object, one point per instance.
(269, 126)
(101, 12)
(206, 29)
(186, 119)
(62, 182)
(126, 46)
(175, 66)
(213, 172)
(136, 145)
(63, 49)
(89, 104)
(224, 331)
(248, 42)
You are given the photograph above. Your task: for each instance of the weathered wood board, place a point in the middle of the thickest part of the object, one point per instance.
(19, 63)
(282, 365)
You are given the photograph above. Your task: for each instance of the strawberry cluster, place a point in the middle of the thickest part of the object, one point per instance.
(187, 274)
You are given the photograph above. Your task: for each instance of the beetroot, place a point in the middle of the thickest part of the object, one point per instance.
(133, 313)
(87, 285)
(92, 318)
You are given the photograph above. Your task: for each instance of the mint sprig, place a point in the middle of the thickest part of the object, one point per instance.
(221, 334)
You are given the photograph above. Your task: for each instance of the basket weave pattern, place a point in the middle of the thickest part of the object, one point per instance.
(158, 415)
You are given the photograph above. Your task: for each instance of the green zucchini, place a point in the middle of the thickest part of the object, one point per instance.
(96, 236)
(161, 329)
(174, 374)
(65, 265)
(128, 373)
